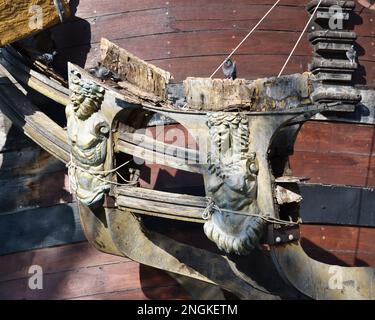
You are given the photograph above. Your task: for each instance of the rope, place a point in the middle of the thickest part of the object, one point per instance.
(71, 164)
(299, 39)
(211, 207)
(93, 172)
(244, 39)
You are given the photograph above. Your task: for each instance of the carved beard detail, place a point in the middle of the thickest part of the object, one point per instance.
(232, 184)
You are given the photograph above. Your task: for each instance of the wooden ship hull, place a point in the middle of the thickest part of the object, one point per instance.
(40, 220)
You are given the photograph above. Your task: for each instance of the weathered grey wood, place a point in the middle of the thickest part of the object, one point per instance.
(364, 112)
(36, 81)
(135, 72)
(258, 95)
(162, 204)
(30, 178)
(16, 18)
(152, 157)
(40, 228)
(35, 124)
(151, 144)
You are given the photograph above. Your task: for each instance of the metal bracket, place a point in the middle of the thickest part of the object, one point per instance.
(281, 235)
(60, 9)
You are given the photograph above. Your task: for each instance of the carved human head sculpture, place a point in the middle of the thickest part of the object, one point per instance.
(86, 96)
(232, 184)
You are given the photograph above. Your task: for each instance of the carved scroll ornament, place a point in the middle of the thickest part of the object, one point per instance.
(235, 225)
(88, 132)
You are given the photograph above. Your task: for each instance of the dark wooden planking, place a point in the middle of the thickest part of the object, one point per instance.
(166, 32)
(40, 228)
(117, 26)
(201, 11)
(28, 161)
(249, 66)
(334, 153)
(39, 190)
(95, 8)
(89, 280)
(336, 138)
(211, 43)
(58, 259)
(30, 176)
(336, 244)
(159, 293)
(154, 26)
(328, 168)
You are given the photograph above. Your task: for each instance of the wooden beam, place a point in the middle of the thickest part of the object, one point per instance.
(259, 95)
(135, 73)
(22, 18)
(35, 124)
(162, 204)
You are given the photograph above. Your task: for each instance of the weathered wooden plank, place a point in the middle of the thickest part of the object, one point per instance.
(55, 259)
(147, 156)
(134, 71)
(330, 168)
(159, 293)
(114, 26)
(334, 153)
(168, 205)
(81, 282)
(22, 18)
(94, 8)
(39, 228)
(335, 138)
(220, 95)
(148, 143)
(337, 244)
(33, 122)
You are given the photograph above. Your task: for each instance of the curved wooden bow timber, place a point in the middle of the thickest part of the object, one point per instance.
(126, 232)
(322, 281)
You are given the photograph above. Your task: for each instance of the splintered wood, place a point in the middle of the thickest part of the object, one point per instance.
(135, 73)
(22, 18)
(266, 94)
